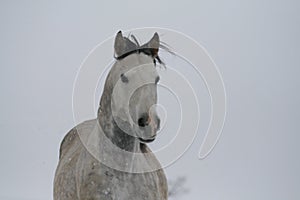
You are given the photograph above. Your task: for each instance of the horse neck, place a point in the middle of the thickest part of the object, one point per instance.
(110, 128)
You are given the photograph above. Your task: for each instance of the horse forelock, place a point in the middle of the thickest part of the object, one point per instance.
(133, 47)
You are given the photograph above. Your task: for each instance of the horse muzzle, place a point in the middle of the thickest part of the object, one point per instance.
(146, 120)
(149, 126)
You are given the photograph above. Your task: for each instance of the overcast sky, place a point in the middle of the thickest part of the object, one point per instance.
(255, 45)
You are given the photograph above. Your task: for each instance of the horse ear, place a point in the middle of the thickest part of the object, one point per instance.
(119, 43)
(154, 42)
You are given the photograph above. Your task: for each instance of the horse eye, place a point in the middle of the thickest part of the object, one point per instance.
(157, 79)
(124, 78)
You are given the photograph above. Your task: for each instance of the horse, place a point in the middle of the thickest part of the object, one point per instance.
(107, 158)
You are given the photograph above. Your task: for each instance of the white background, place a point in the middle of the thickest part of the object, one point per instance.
(254, 43)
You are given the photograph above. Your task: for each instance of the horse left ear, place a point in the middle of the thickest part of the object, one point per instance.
(154, 42)
(119, 44)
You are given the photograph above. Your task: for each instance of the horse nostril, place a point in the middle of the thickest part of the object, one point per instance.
(158, 123)
(143, 121)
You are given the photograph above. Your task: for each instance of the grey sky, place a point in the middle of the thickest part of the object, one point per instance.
(254, 43)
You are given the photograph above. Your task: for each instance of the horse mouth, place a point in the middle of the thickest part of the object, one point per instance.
(146, 140)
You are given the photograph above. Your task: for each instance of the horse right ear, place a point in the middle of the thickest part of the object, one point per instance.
(154, 42)
(119, 44)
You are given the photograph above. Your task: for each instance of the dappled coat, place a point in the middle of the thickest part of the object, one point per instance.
(90, 167)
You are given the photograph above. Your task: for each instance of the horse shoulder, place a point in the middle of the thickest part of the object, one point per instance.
(71, 148)
(72, 140)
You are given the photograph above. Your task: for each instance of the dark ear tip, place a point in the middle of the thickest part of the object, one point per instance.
(156, 37)
(119, 33)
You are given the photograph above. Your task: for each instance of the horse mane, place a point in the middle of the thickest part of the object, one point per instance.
(135, 47)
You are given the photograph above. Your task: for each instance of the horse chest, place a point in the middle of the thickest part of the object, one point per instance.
(105, 183)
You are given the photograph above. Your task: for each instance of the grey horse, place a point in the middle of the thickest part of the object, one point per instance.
(107, 158)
